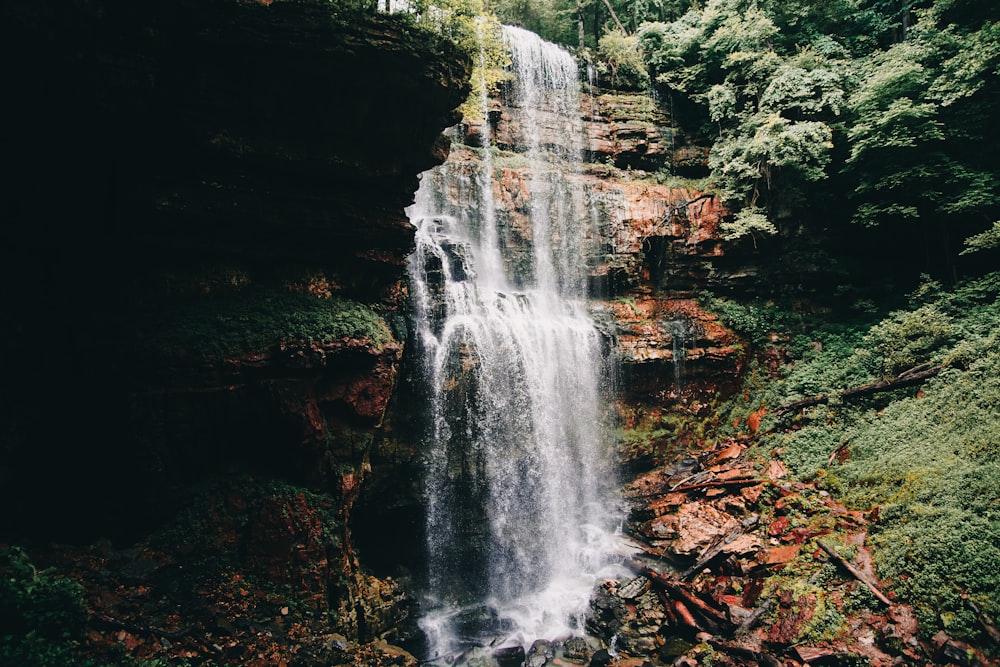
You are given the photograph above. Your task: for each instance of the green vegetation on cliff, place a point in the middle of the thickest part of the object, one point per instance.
(889, 107)
(928, 456)
(255, 320)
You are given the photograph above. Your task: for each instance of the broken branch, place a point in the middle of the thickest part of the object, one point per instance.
(745, 481)
(840, 560)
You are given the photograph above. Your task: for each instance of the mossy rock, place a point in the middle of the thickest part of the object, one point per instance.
(252, 321)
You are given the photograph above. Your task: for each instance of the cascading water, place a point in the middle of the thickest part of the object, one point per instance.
(518, 480)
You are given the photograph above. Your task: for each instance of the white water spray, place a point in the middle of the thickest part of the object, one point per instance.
(518, 480)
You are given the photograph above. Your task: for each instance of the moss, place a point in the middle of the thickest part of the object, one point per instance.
(929, 457)
(255, 320)
(667, 178)
(632, 107)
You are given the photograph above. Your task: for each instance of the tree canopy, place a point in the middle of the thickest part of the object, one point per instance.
(886, 107)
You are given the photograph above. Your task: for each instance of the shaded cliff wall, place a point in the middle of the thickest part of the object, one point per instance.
(203, 245)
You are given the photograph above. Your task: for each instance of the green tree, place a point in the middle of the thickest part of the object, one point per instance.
(922, 127)
(622, 59)
(770, 109)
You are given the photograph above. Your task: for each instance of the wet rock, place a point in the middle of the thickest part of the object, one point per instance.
(634, 588)
(509, 656)
(953, 651)
(633, 624)
(540, 653)
(600, 658)
(577, 648)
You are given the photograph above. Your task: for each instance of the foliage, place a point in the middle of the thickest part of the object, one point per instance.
(890, 107)
(255, 320)
(568, 22)
(470, 26)
(41, 615)
(756, 321)
(988, 240)
(907, 337)
(771, 104)
(927, 457)
(919, 119)
(622, 58)
(746, 222)
(489, 66)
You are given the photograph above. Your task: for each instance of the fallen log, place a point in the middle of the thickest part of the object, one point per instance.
(685, 615)
(743, 481)
(907, 378)
(840, 560)
(713, 617)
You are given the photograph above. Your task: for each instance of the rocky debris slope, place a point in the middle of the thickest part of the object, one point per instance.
(737, 564)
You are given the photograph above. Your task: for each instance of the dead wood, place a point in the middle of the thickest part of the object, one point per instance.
(907, 378)
(743, 481)
(615, 17)
(676, 208)
(685, 615)
(837, 451)
(840, 560)
(713, 617)
(753, 619)
(713, 550)
(177, 636)
(985, 621)
(810, 653)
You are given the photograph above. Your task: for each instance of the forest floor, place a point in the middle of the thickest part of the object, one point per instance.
(740, 564)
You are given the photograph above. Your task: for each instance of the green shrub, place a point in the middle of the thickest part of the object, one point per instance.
(41, 614)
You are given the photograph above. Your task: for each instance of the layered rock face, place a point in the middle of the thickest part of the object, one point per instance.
(655, 241)
(202, 273)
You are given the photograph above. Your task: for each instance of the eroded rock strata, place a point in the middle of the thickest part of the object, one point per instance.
(205, 242)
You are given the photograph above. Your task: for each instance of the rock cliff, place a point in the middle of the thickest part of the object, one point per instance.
(205, 241)
(655, 242)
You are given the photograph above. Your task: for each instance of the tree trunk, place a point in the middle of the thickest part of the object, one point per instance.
(615, 16)
(913, 376)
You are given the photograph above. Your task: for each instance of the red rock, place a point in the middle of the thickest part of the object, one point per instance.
(793, 615)
(778, 526)
(781, 555)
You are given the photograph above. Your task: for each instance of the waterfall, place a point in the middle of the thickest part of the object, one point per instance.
(519, 486)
